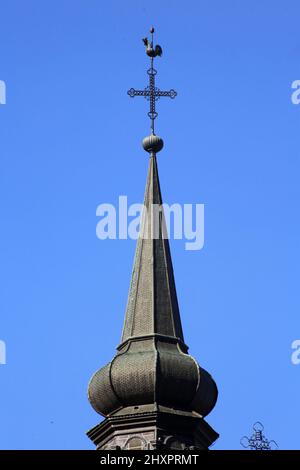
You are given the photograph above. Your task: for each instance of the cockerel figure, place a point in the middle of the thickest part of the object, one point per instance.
(150, 50)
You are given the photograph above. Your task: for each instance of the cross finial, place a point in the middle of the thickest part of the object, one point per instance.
(151, 92)
(258, 440)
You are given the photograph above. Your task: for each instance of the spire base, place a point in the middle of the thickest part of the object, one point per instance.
(161, 429)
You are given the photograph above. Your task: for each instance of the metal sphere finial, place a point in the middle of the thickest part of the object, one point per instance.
(153, 144)
(151, 30)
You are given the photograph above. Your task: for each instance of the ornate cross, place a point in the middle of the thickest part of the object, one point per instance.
(151, 92)
(258, 440)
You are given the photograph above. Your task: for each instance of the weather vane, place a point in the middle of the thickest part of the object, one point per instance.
(258, 440)
(151, 92)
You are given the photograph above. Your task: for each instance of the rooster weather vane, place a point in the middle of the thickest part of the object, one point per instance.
(151, 92)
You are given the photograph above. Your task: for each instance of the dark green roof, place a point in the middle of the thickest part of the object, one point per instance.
(152, 365)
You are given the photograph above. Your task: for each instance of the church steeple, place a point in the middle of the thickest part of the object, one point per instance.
(153, 393)
(152, 302)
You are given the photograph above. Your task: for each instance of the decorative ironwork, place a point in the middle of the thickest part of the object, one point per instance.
(258, 440)
(151, 92)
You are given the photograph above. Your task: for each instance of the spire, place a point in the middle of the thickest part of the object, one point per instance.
(152, 306)
(152, 393)
(152, 302)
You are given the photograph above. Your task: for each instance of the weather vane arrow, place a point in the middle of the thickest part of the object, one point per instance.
(151, 92)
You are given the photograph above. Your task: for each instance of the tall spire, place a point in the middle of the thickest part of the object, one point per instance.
(152, 302)
(153, 393)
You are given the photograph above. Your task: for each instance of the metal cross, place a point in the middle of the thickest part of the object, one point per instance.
(151, 92)
(258, 440)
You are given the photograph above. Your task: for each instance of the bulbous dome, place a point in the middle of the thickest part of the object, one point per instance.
(152, 371)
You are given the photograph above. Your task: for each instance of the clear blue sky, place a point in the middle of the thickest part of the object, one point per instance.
(70, 140)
